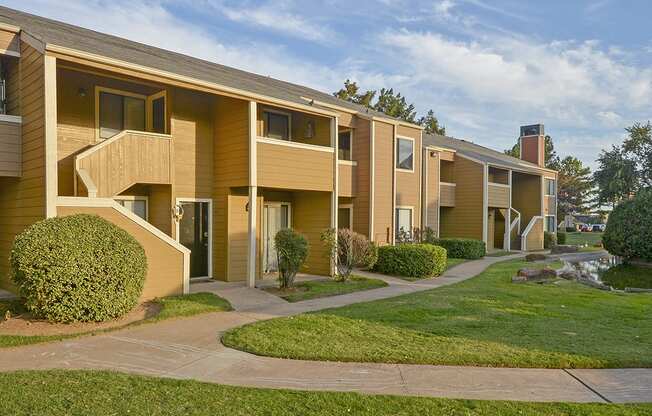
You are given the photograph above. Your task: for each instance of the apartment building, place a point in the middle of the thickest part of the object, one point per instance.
(201, 163)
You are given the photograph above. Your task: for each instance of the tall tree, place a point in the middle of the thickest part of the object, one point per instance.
(431, 124)
(574, 187)
(551, 158)
(351, 92)
(638, 147)
(395, 105)
(616, 177)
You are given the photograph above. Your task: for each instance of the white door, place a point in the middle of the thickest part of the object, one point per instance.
(276, 216)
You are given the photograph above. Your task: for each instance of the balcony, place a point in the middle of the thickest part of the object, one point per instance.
(498, 195)
(124, 160)
(284, 164)
(446, 194)
(347, 178)
(10, 146)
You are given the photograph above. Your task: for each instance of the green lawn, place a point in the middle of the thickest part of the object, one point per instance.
(484, 321)
(583, 238)
(172, 307)
(50, 393)
(324, 288)
(450, 263)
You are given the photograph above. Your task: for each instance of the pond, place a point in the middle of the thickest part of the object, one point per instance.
(611, 271)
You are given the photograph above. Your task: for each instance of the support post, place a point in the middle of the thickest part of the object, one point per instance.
(253, 197)
(335, 193)
(508, 218)
(51, 180)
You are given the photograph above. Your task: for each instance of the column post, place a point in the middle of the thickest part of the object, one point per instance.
(336, 178)
(508, 217)
(253, 197)
(51, 180)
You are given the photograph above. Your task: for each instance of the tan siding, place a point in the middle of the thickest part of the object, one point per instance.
(383, 174)
(361, 153)
(13, 85)
(160, 207)
(408, 184)
(535, 237)
(447, 195)
(432, 192)
(498, 196)
(311, 216)
(466, 219)
(22, 200)
(238, 237)
(346, 119)
(9, 41)
(549, 207)
(284, 167)
(10, 148)
(526, 196)
(347, 180)
(164, 262)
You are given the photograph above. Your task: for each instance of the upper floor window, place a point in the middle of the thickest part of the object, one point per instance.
(404, 153)
(550, 187)
(344, 145)
(277, 125)
(120, 112)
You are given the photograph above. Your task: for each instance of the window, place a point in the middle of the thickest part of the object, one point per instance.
(344, 145)
(550, 186)
(119, 112)
(404, 154)
(158, 115)
(277, 125)
(135, 204)
(403, 221)
(344, 217)
(549, 224)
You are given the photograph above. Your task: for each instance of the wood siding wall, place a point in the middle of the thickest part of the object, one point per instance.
(285, 167)
(164, 262)
(361, 154)
(408, 184)
(447, 194)
(526, 196)
(311, 216)
(549, 205)
(535, 237)
(9, 41)
(12, 67)
(432, 191)
(11, 149)
(347, 180)
(466, 219)
(383, 182)
(22, 200)
(498, 196)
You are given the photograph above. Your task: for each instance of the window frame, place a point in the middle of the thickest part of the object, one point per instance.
(350, 208)
(546, 189)
(396, 150)
(134, 198)
(350, 131)
(554, 223)
(266, 123)
(99, 90)
(396, 226)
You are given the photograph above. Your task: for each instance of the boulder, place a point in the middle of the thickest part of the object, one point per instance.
(535, 257)
(564, 249)
(570, 274)
(535, 274)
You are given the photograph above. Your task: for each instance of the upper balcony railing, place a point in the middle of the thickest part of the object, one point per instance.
(347, 171)
(128, 158)
(498, 195)
(10, 146)
(447, 194)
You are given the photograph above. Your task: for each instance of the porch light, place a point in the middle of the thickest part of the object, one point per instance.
(81, 92)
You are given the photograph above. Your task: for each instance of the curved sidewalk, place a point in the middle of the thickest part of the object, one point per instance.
(190, 349)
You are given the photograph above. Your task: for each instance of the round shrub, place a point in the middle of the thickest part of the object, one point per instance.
(561, 238)
(461, 248)
(292, 251)
(549, 239)
(78, 268)
(629, 230)
(411, 260)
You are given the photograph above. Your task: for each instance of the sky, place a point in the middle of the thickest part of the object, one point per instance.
(582, 68)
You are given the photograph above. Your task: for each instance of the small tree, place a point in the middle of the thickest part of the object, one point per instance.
(348, 249)
(292, 251)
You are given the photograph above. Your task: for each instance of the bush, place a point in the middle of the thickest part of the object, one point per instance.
(348, 249)
(411, 260)
(561, 238)
(629, 233)
(78, 268)
(368, 261)
(570, 230)
(292, 251)
(549, 239)
(460, 248)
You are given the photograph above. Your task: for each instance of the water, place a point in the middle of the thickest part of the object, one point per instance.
(611, 271)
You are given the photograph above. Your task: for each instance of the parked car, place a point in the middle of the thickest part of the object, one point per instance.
(585, 228)
(598, 228)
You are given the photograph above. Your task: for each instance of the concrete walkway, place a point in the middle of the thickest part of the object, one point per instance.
(190, 349)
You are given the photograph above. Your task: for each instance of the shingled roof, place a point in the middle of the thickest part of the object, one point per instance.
(475, 151)
(53, 32)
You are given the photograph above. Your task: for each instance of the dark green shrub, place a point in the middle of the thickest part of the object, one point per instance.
(411, 260)
(292, 251)
(561, 238)
(629, 230)
(570, 230)
(549, 239)
(78, 268)
(460, 248)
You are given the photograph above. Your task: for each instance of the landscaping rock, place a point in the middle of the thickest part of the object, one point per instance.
(564, 249)
(570, 274)
(535, 257)
(531, 275)
(595, 284)
(519, 279)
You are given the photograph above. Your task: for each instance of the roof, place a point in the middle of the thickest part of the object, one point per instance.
(475, 151)
(52, 32)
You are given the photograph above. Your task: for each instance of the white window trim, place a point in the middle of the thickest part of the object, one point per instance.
(350, 144)
(266, 124)
(411, 208)
(545, 188)
(210, 232)
(396, 168)
(135, 198)
(298, 145)
(350, 208)
(502, 185)
(554, 221)
(99, 90)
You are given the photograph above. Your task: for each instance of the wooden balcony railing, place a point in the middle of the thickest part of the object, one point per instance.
(447, 194)
(11, 148)
(347, 179)
(498, 195)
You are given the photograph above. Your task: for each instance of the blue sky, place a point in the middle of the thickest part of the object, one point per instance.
(583, 68)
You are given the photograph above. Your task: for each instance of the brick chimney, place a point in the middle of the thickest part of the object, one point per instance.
(532, 144)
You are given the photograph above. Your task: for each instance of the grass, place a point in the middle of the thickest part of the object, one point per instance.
(324, 288)
(484, 321)
(49, 393)
(578, 238)
(450, 263)
(172, 307)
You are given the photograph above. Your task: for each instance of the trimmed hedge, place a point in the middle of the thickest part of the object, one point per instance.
(629, 230)
(411, 260)
(78, 268)
(461, 248)
(562, 238)
(549, 239)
